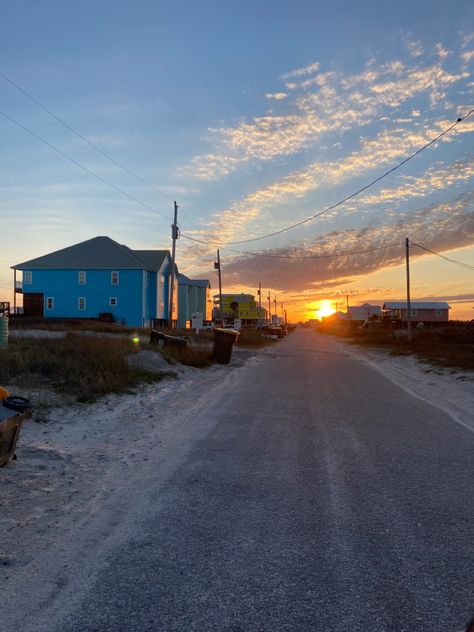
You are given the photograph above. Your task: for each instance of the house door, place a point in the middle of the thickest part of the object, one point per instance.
(33, 304)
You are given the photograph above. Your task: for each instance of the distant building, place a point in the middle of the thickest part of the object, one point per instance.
(363, 313)
(99, 279)
(246, 309)
(194, 295)
(421, 312)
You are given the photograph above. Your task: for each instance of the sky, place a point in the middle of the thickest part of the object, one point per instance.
(253, 116)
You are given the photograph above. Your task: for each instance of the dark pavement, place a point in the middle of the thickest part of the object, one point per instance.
(324, 499)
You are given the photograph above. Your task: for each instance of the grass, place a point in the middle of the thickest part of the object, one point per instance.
(451, 346)
(86, 367)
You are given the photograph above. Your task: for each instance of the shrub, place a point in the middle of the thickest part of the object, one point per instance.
(83, 366)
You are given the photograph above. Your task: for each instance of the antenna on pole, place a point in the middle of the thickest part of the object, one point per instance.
(174, 237)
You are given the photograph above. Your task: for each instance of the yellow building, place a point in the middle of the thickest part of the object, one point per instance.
(240, 306)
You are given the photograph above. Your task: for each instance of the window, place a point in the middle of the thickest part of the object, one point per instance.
(439, 312)
(414, 312)
(27, 278)
(113, 301)
(81, 277)
(81, 303)
(50, 303)
(114, 277)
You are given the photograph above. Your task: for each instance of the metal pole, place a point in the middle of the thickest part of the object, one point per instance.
(220, 287)
(259, 304)
(174, 237)
(407, 253)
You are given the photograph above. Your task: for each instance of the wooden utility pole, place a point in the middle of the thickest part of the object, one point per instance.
(259, 303)
(407, 254)
(275, 303)
(174, 237)
(269, 307)
(217, 266)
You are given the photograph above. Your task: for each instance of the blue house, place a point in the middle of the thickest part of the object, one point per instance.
(99, 278)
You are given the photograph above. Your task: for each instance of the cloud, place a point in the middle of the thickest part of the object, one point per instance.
(386, 148)
(467, 56)
(440, 227)
(278, 96)
(415, 48)
(300, 72)
(441, 51)
(327, 103)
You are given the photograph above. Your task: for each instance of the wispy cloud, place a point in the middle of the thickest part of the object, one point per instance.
(387, 147)
(415, 47)
(339, 103)
(440, 227)
(301, 72)
(278, 96)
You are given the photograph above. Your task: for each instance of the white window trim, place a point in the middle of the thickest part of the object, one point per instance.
(114, 280)
(27, 277)
(83, 308)
(82, 277)
(113, 304)
(48, 299)
(439, 312)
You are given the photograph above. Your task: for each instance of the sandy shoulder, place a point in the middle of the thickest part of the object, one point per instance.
(448, 389)
(78, 460)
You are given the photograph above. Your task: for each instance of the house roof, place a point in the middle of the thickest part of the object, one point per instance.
(95, 254)
(152, 259)
(415, 305)
(366, 307)
(184, 280)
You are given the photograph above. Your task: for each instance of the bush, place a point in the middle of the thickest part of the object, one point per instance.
(83, 366)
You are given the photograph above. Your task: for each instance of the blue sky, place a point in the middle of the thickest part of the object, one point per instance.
(253, 116)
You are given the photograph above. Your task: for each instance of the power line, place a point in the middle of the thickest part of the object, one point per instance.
(81, 166)
(83, 138)
(297, 257)
(460, 263)
(352, 195)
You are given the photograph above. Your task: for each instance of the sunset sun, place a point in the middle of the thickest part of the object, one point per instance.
(325, 309)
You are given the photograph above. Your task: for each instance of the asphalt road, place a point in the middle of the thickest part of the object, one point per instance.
(323, 498)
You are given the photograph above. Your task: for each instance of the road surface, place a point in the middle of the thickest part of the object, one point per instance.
(315, 495)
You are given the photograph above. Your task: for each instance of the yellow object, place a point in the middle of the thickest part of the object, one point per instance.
(3, 393)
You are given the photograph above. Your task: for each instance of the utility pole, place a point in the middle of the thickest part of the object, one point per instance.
(174, 237)
(259, 304)
(217, 266)
(275, 303)
(269, 308)
(407, 253)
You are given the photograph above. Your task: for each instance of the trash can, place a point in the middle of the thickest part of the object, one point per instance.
(3, 332)
(223, 342)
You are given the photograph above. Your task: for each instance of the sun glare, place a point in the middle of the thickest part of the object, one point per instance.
(325, 309)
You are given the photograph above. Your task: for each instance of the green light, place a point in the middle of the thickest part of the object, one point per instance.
(136, 339)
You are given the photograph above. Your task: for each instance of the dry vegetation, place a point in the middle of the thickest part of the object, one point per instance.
(88, 366)
(83, 366)
(449, 346)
